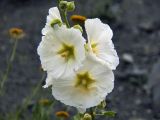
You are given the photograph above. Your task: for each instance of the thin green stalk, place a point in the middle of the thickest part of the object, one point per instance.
(28, 99)
(64, 15)
(58, 1)
(80, 116)
(9, 65)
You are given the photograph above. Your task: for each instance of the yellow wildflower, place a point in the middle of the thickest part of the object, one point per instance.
(16, 33)
(78, 19)
(62, 114)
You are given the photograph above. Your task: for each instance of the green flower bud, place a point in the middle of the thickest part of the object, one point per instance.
(87, 117)
(70, 6)
(67, 6)
(78, 27)
(55, 21)
(63, 5)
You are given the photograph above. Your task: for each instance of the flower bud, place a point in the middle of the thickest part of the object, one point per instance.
(70, 6)
(78, 27)
(67, 6)
(55, 21)
(63, 5)
(87, 117)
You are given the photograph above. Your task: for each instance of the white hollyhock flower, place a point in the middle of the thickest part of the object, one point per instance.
(100, 43)
(61, 51)
(53, 15)
(87, 87)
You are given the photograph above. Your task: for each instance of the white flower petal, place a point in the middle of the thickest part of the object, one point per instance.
(94, 28)
(53, 14)
(51, 60)
(100, 35)
(46, 29)
(65, 89)
(107, 52)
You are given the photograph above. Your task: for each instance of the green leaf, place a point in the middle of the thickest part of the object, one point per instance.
(109, 113)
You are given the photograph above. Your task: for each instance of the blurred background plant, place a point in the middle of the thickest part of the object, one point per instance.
(15, 34)
(136, 38)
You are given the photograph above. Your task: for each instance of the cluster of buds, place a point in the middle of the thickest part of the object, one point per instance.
(67, 6)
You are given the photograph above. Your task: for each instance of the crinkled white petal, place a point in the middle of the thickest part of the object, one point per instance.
(94, 28)
(64, 89)
(52, 42)
(101, 34)
(53, 14)
(74, 37)
(49, 81)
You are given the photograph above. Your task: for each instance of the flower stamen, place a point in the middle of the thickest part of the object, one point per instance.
(84, 80)
(67, 52)
(94, 47)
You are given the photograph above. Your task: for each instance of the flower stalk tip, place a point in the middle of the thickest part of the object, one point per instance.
(67, 6)
(70, 6)
(63, 5)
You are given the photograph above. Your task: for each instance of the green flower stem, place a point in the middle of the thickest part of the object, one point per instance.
(78, 116)
(64, 15)
(9, 65)
(58, 1)
(28, 99)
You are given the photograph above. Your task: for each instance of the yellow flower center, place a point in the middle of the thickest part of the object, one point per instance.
(84, 80)
(94, 47)
(67, 52)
